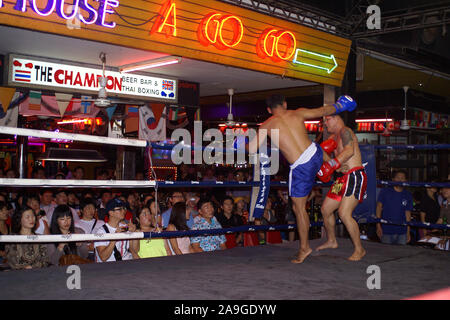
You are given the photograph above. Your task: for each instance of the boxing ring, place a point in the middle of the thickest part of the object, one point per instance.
(241, 273)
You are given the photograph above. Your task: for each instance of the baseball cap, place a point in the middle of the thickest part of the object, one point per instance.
(114, 203)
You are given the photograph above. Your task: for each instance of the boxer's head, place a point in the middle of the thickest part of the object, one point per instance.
(276, 101)
(333, 123)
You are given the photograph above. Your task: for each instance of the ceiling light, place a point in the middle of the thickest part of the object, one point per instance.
(148, 64)
(373, 120)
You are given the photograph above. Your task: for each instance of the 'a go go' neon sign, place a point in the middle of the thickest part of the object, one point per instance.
(215, 28)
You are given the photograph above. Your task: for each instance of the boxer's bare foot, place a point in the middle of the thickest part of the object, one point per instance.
(301, 256)
(357, 255)
(328, 245)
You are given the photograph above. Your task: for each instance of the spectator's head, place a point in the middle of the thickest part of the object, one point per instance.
(227, 205)
(78, 173)
(240, 176)
(131, 200)
(102, 175)
(4, 212)
(62, 220)
(147, 198)
(2, 197)
(38, 172)
(274, 102)
(87, 194)
(11, 173)
(178, 216)
(72, 198)
(210, 172)
(60, 176)
(446, 191)
(399, 176)
(46, 197)
(145, 219)
(88, 208)
(241, 205)
(105, 196)
(191, 199)
(23, 221)
(154, 208)
(61, 197)
(116, 209)
(176, 196)
(206, 208)
(139, 176)
(33, 203)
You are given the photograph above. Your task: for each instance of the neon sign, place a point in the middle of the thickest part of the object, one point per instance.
(269, 44)
(94, 16)
(306, 52)
(163, 19)
(211, 31)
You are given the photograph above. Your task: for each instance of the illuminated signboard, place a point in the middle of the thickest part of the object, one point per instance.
(28, 72)
(205, 30)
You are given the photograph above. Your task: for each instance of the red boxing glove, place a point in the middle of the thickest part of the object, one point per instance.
(329, 146)
(327, 169)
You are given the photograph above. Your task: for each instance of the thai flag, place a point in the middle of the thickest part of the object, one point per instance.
(22, 75)
(167, 85)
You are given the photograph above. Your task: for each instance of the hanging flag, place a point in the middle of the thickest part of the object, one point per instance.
(152, 123)
(63, 100)
(35, 100)
(110, 111)
(9, 118)
(85, 105)
(132, 120)
(7, 162)
(6, 95)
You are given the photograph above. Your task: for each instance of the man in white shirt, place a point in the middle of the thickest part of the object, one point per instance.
(88, 223)
(115, 250)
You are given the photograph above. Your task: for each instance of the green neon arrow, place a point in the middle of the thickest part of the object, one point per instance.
(330, 57)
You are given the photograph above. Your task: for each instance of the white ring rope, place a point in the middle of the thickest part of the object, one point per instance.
(71, 237)
(72, 136)
(7, 182)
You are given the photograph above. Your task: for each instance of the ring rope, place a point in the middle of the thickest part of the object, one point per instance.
(8, 182)
(191, 233)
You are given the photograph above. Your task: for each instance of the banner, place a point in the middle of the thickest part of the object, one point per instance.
(9, 117)
(260, 193)
(6, 96)
(77, 108)
(63, 100)
(152, 122)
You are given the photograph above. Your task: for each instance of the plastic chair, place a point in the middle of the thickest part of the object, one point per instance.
(273, 237)
(231, 240)
(251, 239)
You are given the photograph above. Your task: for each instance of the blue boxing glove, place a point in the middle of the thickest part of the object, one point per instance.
(344, 103)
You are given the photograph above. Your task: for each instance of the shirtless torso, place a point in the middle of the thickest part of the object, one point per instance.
(292, 132)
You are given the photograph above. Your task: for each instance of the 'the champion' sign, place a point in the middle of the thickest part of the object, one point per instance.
(27, 72)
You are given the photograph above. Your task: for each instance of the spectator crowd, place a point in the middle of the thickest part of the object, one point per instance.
(98, 211)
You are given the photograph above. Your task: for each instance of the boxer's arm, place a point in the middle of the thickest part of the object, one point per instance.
(347, 142)
(326, 110)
